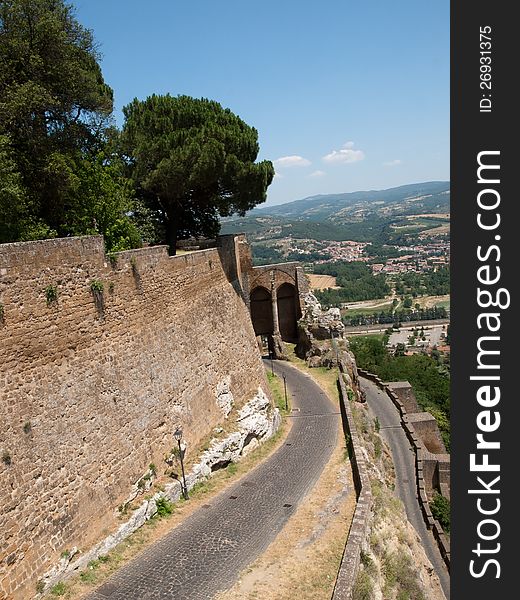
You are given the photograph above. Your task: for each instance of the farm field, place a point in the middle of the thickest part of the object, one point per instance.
(322, 282)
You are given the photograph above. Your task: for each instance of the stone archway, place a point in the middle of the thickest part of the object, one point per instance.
(262, 311)
(288, 313)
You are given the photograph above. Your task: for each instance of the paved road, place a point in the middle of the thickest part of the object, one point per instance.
(381, 327)
(404, 462)
(205, 554)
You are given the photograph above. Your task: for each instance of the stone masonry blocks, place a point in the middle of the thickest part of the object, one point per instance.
(90, 394)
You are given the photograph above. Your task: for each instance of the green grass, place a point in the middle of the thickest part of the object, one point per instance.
(59, 589)
(401, 577)
(444, 304)
(88, 576)
(164, 507)
(363, 587)
(278, 392)
(376, 336)
(356, 312)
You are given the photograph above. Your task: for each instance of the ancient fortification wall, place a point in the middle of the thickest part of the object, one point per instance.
(102, 358)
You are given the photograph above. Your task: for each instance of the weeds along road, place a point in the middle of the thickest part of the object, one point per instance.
(205, 554)
(404, 461)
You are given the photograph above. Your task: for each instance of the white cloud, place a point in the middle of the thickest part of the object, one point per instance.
(392, 163)
(291, 161)
(347, 154)
(317, 173)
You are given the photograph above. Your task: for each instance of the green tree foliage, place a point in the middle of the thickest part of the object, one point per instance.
(192, 162)
(370, 352)
(441, 510)
(434, 282)
(356, 282)
(16, 221)
(54, 115)
(431, 385)
(394, 316)
(101, 201)
(266, 255)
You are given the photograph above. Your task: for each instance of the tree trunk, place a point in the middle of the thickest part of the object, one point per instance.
(171, 236)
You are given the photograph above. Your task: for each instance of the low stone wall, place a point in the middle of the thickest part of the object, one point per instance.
(421, 455)
(426, 427)
(359, 529)
(404, 391)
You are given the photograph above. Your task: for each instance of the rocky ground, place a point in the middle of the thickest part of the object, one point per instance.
(394, 565)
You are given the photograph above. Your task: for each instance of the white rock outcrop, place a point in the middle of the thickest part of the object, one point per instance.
(225, 398)
(256, 421)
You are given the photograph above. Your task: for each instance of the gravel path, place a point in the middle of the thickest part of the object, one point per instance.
(205, 554)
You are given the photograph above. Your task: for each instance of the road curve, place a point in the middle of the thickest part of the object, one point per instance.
(404, 462)
(205, 554)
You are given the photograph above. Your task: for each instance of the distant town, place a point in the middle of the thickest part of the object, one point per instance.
(419, 257)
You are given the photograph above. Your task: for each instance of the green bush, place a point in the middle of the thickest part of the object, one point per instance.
(97, 286)
(164, 507)
(59, 589)
(441, 510)
(51, 294)
(363, 587)
(400, 575)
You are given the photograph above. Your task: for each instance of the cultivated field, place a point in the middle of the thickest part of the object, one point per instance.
(322, 282)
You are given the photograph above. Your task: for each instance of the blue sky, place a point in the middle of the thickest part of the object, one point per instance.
(345, 95)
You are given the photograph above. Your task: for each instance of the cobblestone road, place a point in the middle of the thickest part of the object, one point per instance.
(205, 554)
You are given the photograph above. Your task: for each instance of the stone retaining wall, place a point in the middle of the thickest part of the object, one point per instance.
(360, 524)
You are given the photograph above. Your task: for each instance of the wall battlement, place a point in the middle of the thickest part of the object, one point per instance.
(94, 381)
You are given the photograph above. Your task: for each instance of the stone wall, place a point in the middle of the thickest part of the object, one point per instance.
(426, 427)
(102, 358)
(404, 391)
(357, 536)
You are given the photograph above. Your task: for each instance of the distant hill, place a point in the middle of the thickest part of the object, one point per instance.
(377, 215)
(430, 196)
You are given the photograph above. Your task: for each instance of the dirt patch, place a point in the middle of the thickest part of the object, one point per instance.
(303, 561)
(440, 230)
(433, 215)
(368, 303)
(322, 282)
(430, 301)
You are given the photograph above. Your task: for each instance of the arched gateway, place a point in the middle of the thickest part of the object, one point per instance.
(275, 306)
(274, 293)
(261, 311)
(288, 311)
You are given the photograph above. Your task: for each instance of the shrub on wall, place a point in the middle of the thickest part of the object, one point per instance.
(97, 287)
(440, 507)
(51, 294)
